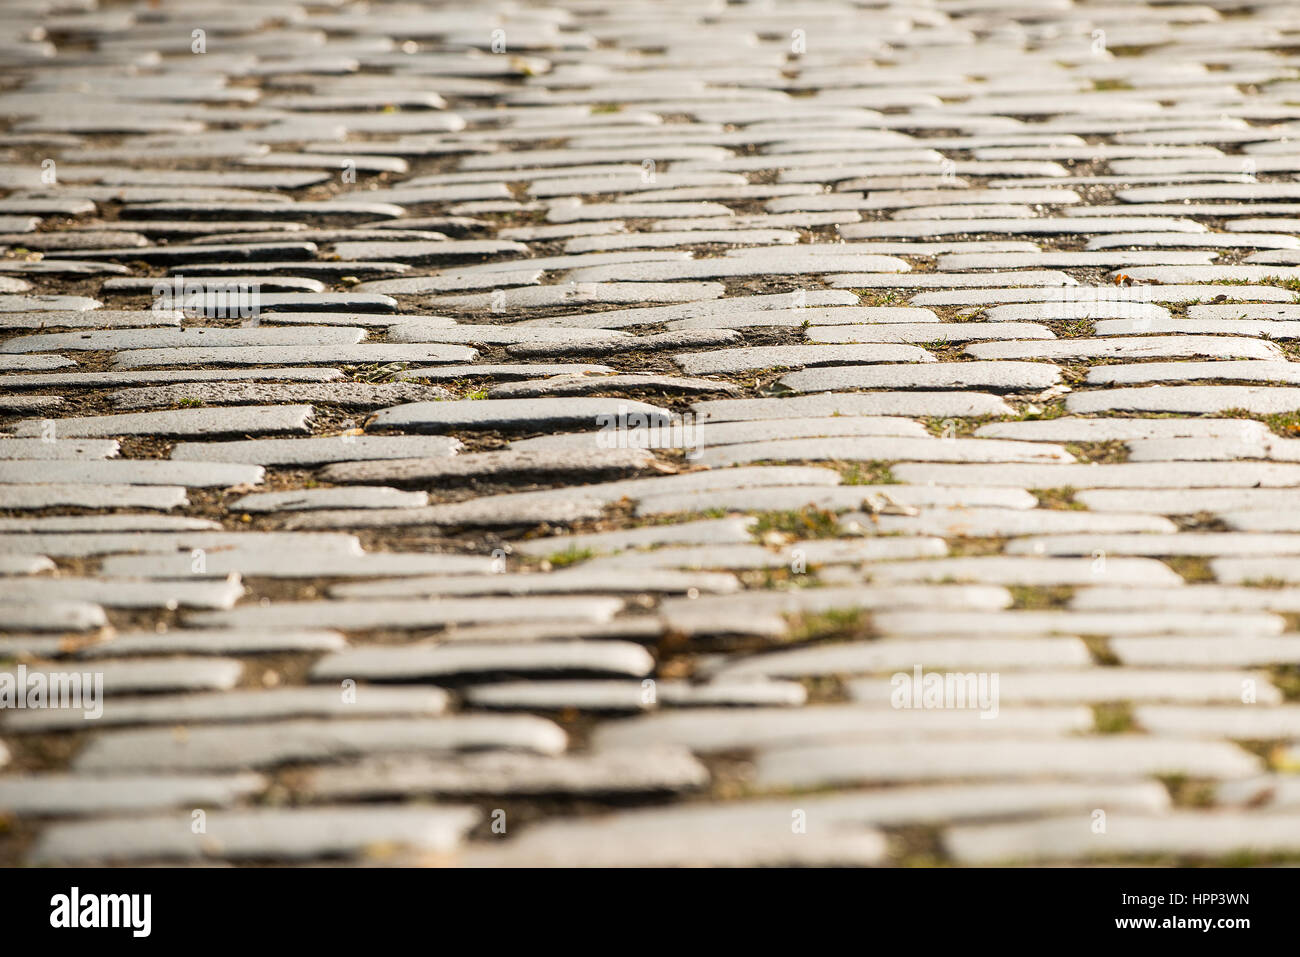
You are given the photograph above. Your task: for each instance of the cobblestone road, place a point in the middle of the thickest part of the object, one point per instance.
(637, 432)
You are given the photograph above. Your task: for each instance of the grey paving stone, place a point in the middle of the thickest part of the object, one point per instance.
(718, 312)
(959, 261)
(999, 570)
(625, 293)
(24, 564)
(86, 543)
(563, 385)
(997, 522)
(240, 233)
(1084, 309)
(722, 531)
(54, 794)
(419, 331)
(490, 511)
(260, 745)
(972, 598)
(1233, 721)
(1270, 790)
(1074, 429)
(181, 253)
(560, 231)
(1150, 475)
(877, 403)
(1043, 226)
(766, 357)
(19, 363)
(842, 498)
(682, 339)
(241, 420)
(1098, 623)
(36, 449)
(495, 466)
(596, 696)
(1209, 834)
(639, 628)
(215, 279)
(317, 451)
(53, 495)
(953, 280)
(234, 209)
(1279, 371)
(414, 661)
(67, 615)
(457, 279)
(879, 449)
(1186, 543)
(751, 265)
(1117, 757)
(1097, 684)
(115, 522)
(606, 772)
(566, 581)
(94, 318)
(1268, 328)
(364, 353)
(728, 729)
(169, 338)
(288, 561)
(1247, 191)
(58, 304)
(1256, 520)
(683, 836)
(603, 243)
(1217, 240)
(927, 334)
(730, 433)
(1187, 501)
(215, 231)
(745, 557)
(31, 403)
(1244, 310)
(359, 395)
(1139, 294)
(1252, 570)
(628, 210)
(1137, 347)
(882, 656)
(75, 380)
(190, 641)
(1195, 399)
(62, 267)
(122, 594)
(1000, 376)
(232, 707)
(489, 370)
(1195, 450)
(361, 615)
(124, 676)
(426, 252)
(258, 834)
(1205, 652)
(359, 497)
(516, 414)
(810, 314)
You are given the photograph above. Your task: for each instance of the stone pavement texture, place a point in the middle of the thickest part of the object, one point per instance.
(616, 432)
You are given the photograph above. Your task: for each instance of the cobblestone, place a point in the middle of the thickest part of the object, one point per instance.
(604, 428)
